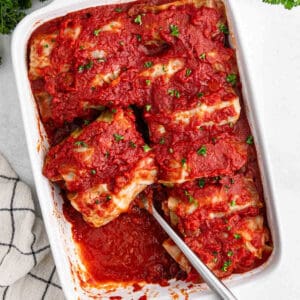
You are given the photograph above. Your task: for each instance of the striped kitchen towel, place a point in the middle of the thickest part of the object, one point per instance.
(27, 270)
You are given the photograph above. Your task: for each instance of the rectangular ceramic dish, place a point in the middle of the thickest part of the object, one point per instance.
(59, 231)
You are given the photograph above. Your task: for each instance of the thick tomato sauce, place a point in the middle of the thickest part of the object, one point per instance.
(129, 249)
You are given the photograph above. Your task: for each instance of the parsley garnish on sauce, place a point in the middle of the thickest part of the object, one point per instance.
(118, 9)
(146, 148)
(188, 72)
(148, 64)
(223, 28)
(138, 20)
(87, 66)
(93, 172)
(80, 144)
(231, 78)
(148, 107)
(118, 137)
(174, 93)
(202, 56)
(189, 196)
(202, 151)
(183, 162)
(226, 265)
(174, 30)
(201, 183)
(237, 236)
(249, 140)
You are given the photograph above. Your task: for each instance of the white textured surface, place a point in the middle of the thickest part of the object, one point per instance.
(272, 38)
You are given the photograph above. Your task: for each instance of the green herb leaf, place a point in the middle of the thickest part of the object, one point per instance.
(93, 172)
(200, 95)
(148, 64)
(174, 93)
(226, 265)
(174, 30)
(202, 56)
(189, 196)
(148, 81)
(148, 107)
(223, 28)
(288, 4)
(80, 144)
(230, 253)
(231, 78)
(118, 9)
(96, 32)
(118, 137)
(162, 141)
(188, 72)
(146, 148)
(202, 151)
(139, 37)
(201, 183)
(237, 236)
(132, 144)
(232, 203)
(183, 162)
(249, 140)
(138, 20)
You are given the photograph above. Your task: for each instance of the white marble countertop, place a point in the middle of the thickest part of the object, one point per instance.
(272, 36)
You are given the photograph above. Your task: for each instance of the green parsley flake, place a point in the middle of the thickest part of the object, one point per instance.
(106, 154)
(148, 107)
(174, 30)
(201, 183)
(232, 203)
(87, 66)
(183, 161)
(223, 28)
(138, 20)
(146, 148)
(148, 64)
(148, 81)
(288, 4)
(86, 122)
(139, 37)
(118, 137)
(188, 72)
(97, 202)
(249, 140)
(132, 144)
(118, 9)
(202, 151)
(231, 78)
(80, 144)
(96, 32)
(108, 197)
(93, 172)
(189, 196)
(226, 265)
(162, 141)
(200, 95)
(202, 56)
(230, 253)
(237, 236)
(46, 46)
(174, 93)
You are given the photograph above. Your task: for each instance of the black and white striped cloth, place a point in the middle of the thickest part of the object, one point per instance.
(27, 270)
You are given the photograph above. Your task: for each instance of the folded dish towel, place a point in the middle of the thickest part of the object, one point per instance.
(27, 270)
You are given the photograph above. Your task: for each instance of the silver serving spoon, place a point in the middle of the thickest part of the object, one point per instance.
(208, 276)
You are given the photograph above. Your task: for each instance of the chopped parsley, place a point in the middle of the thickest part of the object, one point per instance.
(148, 107)
(201, 183)
(188, 72)
(288, 4)
(174, 30)
(118, 137)
(80, 144)
(162, 141)
(200, 95)
(226, 265)
(174, 93)
(138, 20)
(232, 203)
(223, 28)
(113, 110)
(118, 9)
(237, 236)
(249, 140)
(148, 64)
(146, 148)
(132, 144)
(148, 81)
(231, 180)
(46, 46)
(87, 66)
(93, 172)
(97, 202)
(231, 78)
(202, 56)
(202, 151)
(108, 197)
(189, 196)
(106, 154)
(139, 37)
(183, 161)
(229, 253)
(86, 122)
(96, 32)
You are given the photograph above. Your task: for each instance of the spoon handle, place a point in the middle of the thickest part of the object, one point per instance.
(208, 276)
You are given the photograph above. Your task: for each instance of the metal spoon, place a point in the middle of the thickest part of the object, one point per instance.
(208, 276)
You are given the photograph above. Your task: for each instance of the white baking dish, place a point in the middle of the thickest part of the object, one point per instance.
(59, 230)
